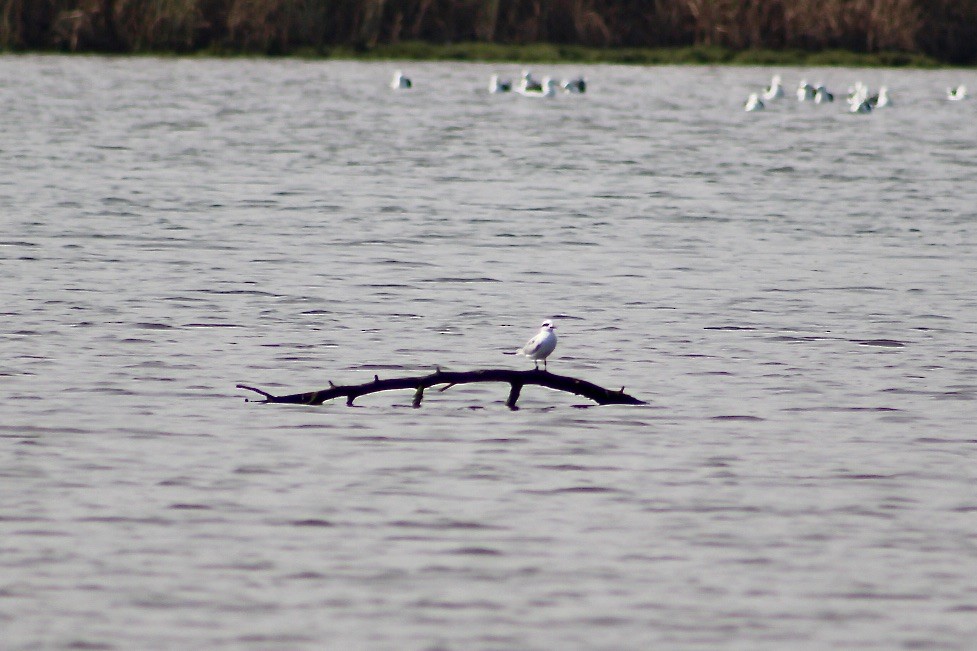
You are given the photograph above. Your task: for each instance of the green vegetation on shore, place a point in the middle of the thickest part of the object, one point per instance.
(553, 53)
(772, 32)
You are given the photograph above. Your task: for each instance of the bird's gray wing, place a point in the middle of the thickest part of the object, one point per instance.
(532, 345)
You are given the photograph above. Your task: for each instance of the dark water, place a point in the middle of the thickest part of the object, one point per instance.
(793, 292)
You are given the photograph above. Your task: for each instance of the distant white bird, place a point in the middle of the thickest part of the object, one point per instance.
(400, 81)
(805, 91)
(546, 88)
(882, 99)
(578, 85)
(528, 84)
(956, 94)
(775, 90)
(821, 95)
(754, 103)
(863, 105)
(858, 99)
(857, 93)
(497, 85)
(540, 346)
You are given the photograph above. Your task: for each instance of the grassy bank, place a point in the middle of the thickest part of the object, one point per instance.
(553, 53)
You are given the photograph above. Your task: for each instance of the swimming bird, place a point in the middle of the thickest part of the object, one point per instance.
(862, 105)
(754, 103)
(882, 99)
(546, 88)
(400, 81)
(956, 94)
(540, 346)
(497, 85)
(821, 95)
(857, 92)
(858, 99)
(528, 84)
(775, 90)
(805, 91)
(578, 85)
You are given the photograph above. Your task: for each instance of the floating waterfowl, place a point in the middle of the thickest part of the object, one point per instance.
(882, 99)
(775, 90)
(497, 85)
(400, 81)
(857, 93)
(956, 94)
(546, 88)
(578, 85)
(754, 103)
(805, 91)
(861, 106)
(822, 95)
(528, 83)
(858, 99)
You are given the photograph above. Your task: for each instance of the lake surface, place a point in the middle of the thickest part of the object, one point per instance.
(792, 291)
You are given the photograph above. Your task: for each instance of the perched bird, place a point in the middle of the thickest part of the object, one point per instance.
(540, 346)
(497, 85)
(956, 94)
(775, 90)
(754, 103)
(400, 81)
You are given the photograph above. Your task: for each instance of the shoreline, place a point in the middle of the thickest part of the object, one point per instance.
(546, 53)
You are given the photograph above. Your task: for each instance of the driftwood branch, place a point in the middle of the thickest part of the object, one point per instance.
(516, 380)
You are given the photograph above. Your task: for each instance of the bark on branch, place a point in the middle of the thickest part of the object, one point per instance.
(516, 380)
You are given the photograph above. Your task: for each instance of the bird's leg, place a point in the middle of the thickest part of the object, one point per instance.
(536, 364)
